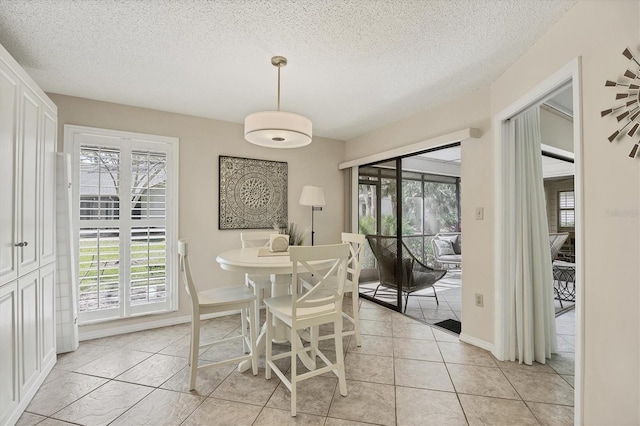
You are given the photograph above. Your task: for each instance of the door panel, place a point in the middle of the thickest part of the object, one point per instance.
(48, 188)
(8, 121)
(8, 350)
(48, 312)
(28, 330)
(28, 172)
(377, 216)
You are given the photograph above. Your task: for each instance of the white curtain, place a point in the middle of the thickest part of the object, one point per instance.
(66, 281)
(532, 316)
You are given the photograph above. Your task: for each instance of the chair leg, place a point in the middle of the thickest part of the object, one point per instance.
(268, 344)
(314, 332)
(435, 294)
(337, 325)
(189, 357)
(356, 315)
(256, 309)
(253, 328)
(294, 371)
(194, 349)
(244, 313)
(558, 297)
(406, 302)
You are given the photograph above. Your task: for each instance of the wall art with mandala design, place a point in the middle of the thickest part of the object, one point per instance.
(253, 193)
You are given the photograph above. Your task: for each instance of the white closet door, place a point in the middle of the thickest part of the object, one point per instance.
(9, 86)
(28, 217)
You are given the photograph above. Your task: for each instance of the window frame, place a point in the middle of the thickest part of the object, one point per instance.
(560, 209)
(128, 142)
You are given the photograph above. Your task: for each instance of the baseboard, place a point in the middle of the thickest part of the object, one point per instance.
(147, 325)
(476, 342)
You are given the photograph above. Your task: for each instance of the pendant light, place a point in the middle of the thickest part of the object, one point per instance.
(277, 129)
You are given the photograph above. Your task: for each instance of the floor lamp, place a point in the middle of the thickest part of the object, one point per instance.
(312, 196)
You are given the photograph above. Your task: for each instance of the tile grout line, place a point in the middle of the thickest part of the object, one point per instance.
(346, 348)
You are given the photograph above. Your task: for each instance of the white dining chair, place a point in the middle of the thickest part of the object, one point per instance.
(356, 257)
(354, 266)
(260, 283)
(217, 300)
(321, 304)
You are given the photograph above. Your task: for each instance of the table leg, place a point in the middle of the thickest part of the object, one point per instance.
(280, 287)
(261, 343)
(260, 348)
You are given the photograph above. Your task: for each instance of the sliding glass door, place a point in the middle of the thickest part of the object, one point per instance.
(377, 216)
(402, 218)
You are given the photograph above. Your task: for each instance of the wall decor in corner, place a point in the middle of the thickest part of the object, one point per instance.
(253, 194)
(627, 113)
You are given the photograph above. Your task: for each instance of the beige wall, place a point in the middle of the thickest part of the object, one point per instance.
(476, 174)
(201, 142)
(598, 31)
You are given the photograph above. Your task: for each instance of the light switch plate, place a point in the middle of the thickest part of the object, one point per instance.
(479, 213)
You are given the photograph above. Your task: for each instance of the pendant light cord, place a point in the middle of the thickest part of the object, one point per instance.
(279, 87)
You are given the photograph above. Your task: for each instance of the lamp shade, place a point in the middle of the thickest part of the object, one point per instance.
(312, 196)
(277, 129)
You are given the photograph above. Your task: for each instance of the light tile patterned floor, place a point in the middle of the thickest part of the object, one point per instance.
(405, 373)
(422, 305)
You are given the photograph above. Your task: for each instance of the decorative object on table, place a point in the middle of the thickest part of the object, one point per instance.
(312, 196)
(278, 129)
(296, 235)
(628, 113)
(253, 194)
(278, 243)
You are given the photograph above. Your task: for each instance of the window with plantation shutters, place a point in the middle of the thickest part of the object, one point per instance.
(566, 209)
(124, 190)
(148, 232)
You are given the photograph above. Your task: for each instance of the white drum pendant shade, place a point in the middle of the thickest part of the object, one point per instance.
(277, 129)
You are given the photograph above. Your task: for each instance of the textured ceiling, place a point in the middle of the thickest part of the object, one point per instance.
(354, 65)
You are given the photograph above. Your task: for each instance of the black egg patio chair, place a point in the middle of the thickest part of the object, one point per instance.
(416, 275)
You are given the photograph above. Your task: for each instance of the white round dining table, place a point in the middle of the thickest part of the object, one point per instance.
(246, 260)
(279, 267)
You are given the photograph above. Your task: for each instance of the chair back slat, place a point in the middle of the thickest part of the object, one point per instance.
(256, 239)
(185, 269)
(356, 248)
(325, 296)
